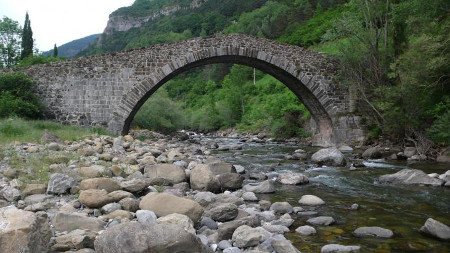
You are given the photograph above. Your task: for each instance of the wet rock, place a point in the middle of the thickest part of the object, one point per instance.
(321, 220)
(262, 187)
(408, 177)
(329, 156)
(60, 184)
(178, 219)
(257, 176)
(223, 212)
(169, 173)
(74, 240)
(142, 238)
(164, 204)
(311, 200)
(281, 245)
(292, 178)
(284, 220)
(230, 181)
(336, 248)
(276, 229)
(306, 230)
(107, 184)
(94, 198)
(23, 231)
(71, 221)
(245, 236)
(372, 153)
(373, 231)
(281, 207)
(436, 229)
(203, 179)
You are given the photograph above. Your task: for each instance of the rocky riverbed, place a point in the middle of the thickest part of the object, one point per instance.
(152, 193)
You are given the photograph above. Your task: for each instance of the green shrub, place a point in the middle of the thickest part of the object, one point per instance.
(17, 97)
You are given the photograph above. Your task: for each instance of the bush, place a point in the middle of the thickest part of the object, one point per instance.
(17, 97)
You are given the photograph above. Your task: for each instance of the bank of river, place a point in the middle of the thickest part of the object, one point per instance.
(402, 209)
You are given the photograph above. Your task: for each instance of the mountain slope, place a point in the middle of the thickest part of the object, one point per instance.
(74, 47)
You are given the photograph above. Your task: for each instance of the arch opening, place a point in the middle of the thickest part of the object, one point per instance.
(303, 93)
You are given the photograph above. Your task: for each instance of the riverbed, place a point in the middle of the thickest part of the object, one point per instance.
(402, 209)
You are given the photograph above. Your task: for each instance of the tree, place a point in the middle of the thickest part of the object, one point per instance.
(55, 51)
(10, 40)
(27, 38)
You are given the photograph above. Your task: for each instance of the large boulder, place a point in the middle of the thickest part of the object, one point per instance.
(223, 212)
(178, 219)
(292, 178)
(409, 176)
(329, 156)
(94, 198)
(71, 221)
(337, 248)
(262, 187)
(164, 204)
(60, 183)
(75, 240)
(101, 183)
(218, 168)
(230, 181)
(157, 238)
(167, 173)
(311, 200)
(23, 231)
(372, 153)
(436, 229)
(203, 179)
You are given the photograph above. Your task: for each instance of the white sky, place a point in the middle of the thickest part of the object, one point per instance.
(61, 21)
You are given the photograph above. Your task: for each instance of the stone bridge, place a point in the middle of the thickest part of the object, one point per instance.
(109, 89)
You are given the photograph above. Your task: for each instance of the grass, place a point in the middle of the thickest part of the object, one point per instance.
(17, 129)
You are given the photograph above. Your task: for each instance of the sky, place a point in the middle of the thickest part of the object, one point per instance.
(61, 21)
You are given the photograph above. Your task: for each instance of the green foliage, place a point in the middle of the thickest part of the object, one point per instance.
(27, 39)
(55, 51)
(160, 113)
(17, 97)
(36, 59)
(10, 40)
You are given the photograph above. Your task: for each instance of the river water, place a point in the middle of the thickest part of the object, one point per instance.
(402, 209)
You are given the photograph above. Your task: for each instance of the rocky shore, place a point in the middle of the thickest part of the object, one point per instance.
(167, 194)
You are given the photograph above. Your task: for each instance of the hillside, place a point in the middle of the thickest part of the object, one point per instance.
(393, 57)
(74, 47)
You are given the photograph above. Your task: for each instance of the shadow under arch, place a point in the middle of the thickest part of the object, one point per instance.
(301, 90)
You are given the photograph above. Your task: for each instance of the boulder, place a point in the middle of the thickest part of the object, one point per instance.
(140, 238)
(101, 183)
(31, 189)
(245, 236)
(281, 245)
(321, 220)
(249, 196)
(71, 221)
(94, 198)
(23, 231)
(281, 207)
(306, 230)
(373, 231)
(134, 185)
(203, 179)
(218, 168)
(129, 204)
(178, 219)
(164, 204)
(230, 181)
(60, 183)
(262, 187)
(436, 229)
(146, 217)
(223, 212)
(329, 156)
(10, 193)
(92, 171)
(292, 178)
(168, 173)
(74, 240)
(409, 151)
(372, 153)
(408, 177)
(311, 200)
(336, 248)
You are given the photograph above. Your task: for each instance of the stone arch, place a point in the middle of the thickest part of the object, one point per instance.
(309, 87)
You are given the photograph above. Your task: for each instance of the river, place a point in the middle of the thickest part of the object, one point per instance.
(402, 209)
